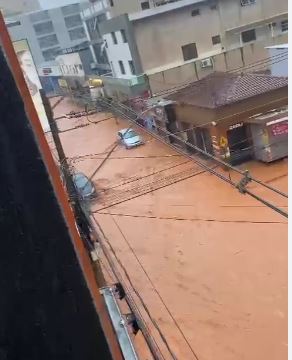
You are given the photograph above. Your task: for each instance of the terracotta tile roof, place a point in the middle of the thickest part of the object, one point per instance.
(219, 89)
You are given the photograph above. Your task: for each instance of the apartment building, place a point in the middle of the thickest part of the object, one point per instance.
(92, 15)
(49, 31)
(177, 41)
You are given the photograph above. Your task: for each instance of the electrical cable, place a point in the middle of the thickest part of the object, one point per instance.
(128, 181)
(225, 164)
(224, 178)
(128, 293)
(156, 291)
(169, 134)
(133, 306)
(281, 56)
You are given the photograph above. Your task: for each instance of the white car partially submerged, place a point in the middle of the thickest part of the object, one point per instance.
(129, 138)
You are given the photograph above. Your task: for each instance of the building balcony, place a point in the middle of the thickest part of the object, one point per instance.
(163, 6)
(94, 9)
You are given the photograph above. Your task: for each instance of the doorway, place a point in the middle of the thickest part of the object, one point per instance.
(239, 144)
(203, 140)
(171, 123)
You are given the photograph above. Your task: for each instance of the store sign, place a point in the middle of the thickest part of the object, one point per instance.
(280, 129)
(235, 126)
(47, 71)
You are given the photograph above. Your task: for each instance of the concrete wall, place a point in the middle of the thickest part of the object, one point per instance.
(235, 18)
(234, 15)
(167, 33)
(247, 57)
(10, 7)
(116, 52)
(124, 7)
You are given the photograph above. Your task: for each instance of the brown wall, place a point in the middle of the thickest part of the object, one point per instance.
(194, 115)
(230, 115)
(240, 111)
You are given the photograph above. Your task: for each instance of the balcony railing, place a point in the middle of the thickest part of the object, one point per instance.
(94, 8)
(163, 2)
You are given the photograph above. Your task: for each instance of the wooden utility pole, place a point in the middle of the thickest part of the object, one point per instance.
(79, 209)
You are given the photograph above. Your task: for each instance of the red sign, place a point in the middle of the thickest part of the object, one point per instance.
(280, 129)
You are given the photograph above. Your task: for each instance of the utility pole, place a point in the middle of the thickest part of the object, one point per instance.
(79, 209)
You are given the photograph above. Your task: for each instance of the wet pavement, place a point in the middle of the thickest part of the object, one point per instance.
(209, 263)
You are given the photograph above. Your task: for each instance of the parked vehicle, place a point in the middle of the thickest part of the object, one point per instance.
(84, 186)
(129, 138)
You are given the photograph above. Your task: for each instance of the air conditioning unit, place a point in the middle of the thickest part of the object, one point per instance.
(207, 63)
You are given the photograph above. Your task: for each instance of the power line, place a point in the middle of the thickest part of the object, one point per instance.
(145, 176)
(144, 328)
(195, 84)
(240, 186)
(132, 301)
(221, 162)
(243, 173)
(282, 57)
(156, 291)
(143, 324)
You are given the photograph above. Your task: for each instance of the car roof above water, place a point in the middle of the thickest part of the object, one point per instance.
(123, 131)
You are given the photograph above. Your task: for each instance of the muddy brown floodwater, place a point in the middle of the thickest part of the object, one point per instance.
(209, 263)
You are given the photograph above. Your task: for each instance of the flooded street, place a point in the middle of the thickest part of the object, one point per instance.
(209, 263)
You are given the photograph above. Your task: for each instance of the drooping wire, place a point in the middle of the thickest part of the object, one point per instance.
(273, 60)
(156, 291)
(203, 152)
(128, 293)
(222, 177)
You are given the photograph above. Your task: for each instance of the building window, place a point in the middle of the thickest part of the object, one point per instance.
(76, 34)
(48, 41)
(114, 38)
(39, 16)
(111, 3)
(122, 68)
(195, 12)
(51, 54)
(249, 35)
(145, 5)
(213, 7)
(189, 51)
(70, 9)
(284, 25)
(247, 2)
(124, 36)
(216, 39)
(44, 28)
(132, 67)
(73, 21)
(13, 23)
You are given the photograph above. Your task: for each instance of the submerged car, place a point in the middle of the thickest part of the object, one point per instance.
(84, 186)
(129, 138)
